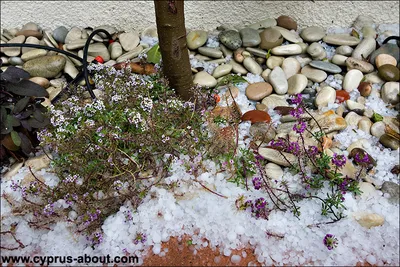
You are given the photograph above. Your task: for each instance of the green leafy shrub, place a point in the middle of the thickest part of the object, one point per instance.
(21, 113)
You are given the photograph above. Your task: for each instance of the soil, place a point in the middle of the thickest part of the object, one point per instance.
(180, 253)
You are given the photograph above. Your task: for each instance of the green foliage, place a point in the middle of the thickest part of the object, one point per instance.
(241, 166)
(154, 54)
(219, 120)
(21, 112)
(229, 79)
(376, 117)
(268, 55)
(318, 135)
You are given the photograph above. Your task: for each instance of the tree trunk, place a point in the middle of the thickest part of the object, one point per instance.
(172, 41)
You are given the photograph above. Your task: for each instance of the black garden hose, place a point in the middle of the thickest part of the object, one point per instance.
(84, 72)
(84, 60)
(392, 38)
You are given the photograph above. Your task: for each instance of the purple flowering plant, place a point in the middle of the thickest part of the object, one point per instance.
(316, 168)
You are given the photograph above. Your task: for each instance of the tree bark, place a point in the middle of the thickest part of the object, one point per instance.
(171, 30)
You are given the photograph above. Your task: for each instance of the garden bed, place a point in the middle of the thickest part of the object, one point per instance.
(249, 173)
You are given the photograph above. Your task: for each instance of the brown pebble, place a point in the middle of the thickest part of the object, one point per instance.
(365, 89)
(260, 106)
(389, 73)
(282, 110)
(237, 55)
(256, 116)
(40, 81)
(396, 169)
(286, 22)
(257, 91)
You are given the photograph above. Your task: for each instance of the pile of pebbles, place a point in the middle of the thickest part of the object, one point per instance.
(342, 76)
(51, 69)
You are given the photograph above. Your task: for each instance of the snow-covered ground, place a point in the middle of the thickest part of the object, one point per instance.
(201, 214)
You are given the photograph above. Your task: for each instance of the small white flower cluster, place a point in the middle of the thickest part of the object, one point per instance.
(57, 118)
(89, 123)
(96, 67)
(135, 118)
(146, 104)
(175, 104)
(116, 98)
(164, 138)
(190, 131)
(61, 121)
(189, 105)
(43, 135)
(71, 105)
(118, 185)
(92, 108)
(93, 148)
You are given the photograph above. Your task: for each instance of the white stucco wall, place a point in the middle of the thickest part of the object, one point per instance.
(126, 15)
